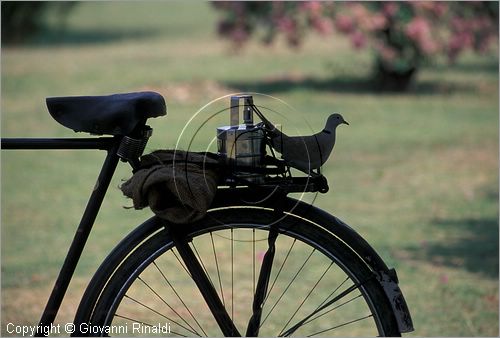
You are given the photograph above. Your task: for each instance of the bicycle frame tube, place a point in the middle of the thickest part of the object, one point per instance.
(111, 144)
(101, 143)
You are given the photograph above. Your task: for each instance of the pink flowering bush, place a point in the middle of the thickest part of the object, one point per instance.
(403, 35)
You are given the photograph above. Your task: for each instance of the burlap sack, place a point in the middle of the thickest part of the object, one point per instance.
(178, 186)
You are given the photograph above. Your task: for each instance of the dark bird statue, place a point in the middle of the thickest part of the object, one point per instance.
(305, 153)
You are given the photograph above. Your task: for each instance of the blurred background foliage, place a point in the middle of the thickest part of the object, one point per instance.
(22, 21)
(402, 35)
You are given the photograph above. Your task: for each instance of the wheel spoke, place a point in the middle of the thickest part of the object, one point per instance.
(145, 324)
(181, 300)
(333, 292)
(132, 320)
(332, 309)
(202, 264)
(344, 324)
(305, 299)
(180, 262)
(232, 275)
(158, 313)
(253, 260)
(324, 306)
(218, 271)
(288, 286)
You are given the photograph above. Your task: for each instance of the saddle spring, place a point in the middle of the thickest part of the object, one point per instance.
(132, 148)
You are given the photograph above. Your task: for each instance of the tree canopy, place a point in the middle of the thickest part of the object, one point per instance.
(402, 35)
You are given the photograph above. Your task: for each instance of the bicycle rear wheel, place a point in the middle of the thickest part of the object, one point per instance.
(317, 284)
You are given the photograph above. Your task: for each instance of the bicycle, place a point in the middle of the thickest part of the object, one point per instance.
(163, 278)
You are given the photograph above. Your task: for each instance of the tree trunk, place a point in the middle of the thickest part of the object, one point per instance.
(389, 78)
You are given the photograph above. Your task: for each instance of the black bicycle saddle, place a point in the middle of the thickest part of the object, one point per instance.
(117, 114)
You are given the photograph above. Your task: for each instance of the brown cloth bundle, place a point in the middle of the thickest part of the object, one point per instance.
(178, 186)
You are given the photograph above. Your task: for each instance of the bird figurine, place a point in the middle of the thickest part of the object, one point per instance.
(305, 153)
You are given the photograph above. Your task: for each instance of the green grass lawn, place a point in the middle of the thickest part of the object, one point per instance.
(416, 174)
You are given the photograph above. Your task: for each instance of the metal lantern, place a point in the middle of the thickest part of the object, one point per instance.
(242, 146)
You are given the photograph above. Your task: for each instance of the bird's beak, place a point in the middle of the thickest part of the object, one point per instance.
(345, 122)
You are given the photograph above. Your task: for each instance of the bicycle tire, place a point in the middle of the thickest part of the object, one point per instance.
(145, 253)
